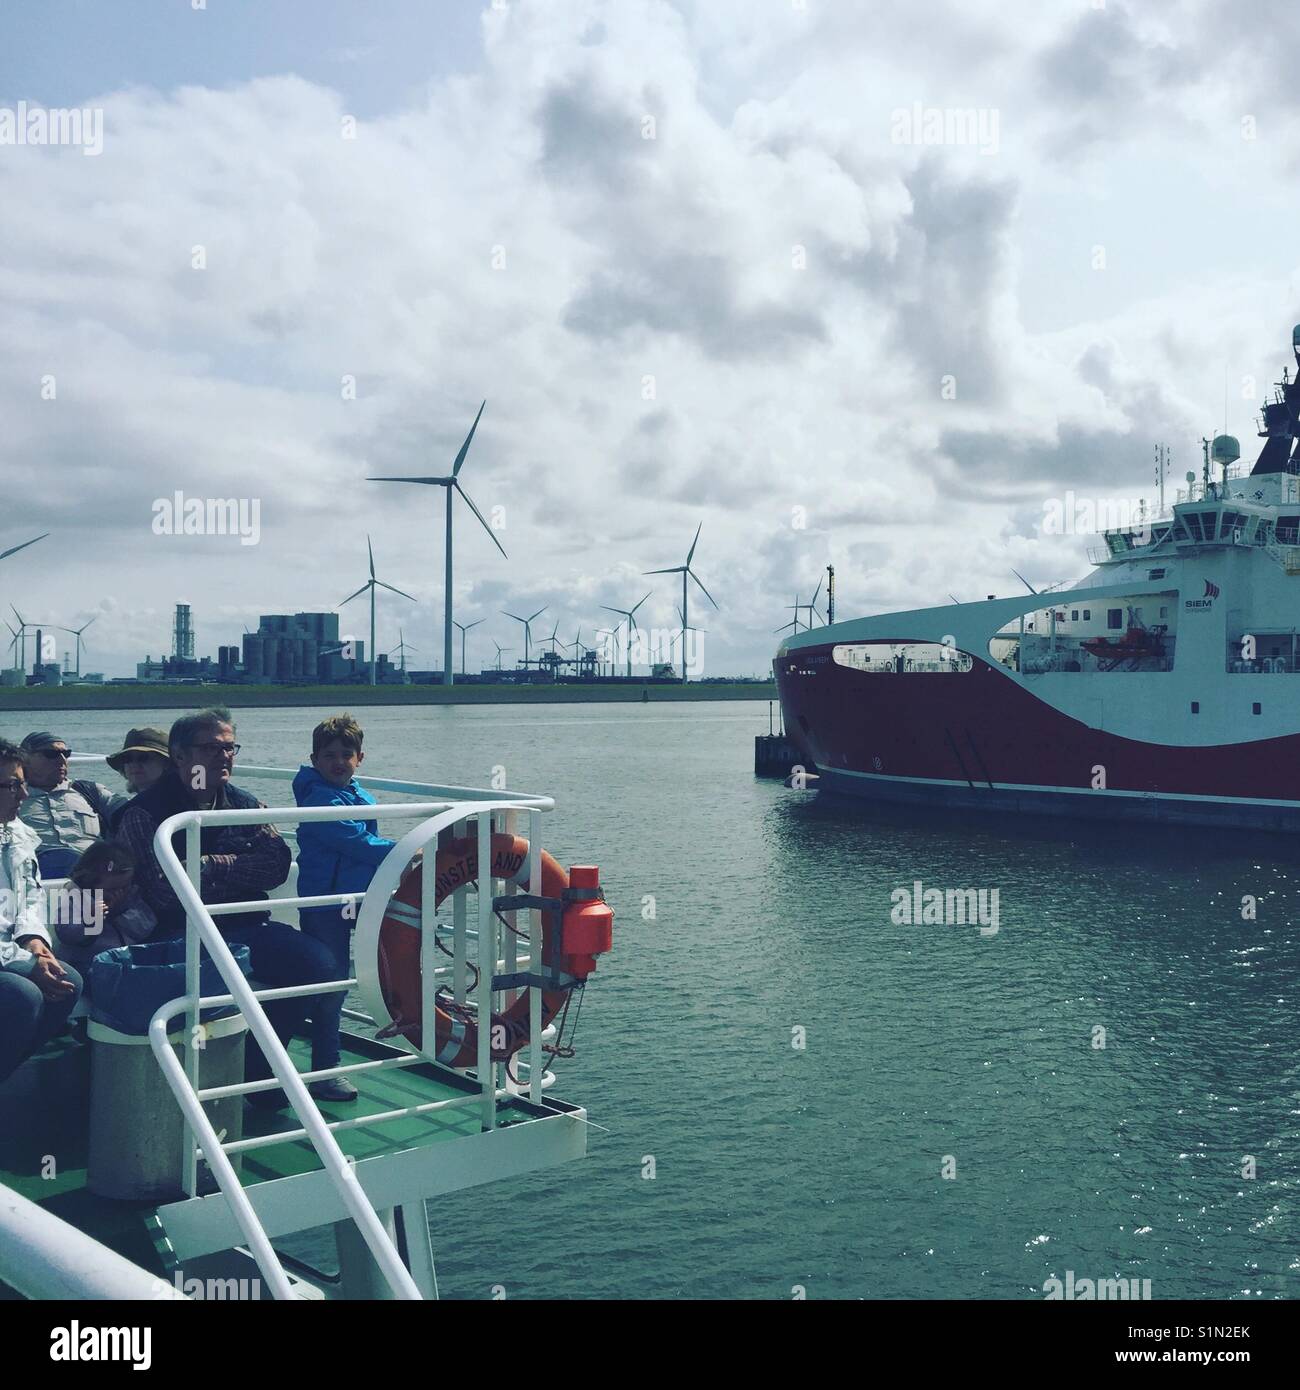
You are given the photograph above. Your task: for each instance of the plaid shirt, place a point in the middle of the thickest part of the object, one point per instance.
(240, 862)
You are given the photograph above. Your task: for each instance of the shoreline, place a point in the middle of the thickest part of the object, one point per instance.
(94, 697)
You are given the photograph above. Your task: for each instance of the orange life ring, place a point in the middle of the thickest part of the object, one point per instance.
(399, 953)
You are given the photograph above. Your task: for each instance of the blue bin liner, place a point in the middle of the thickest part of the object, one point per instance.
(130, 984)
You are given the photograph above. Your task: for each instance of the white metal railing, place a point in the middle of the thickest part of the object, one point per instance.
(458, 807)
(43, 1257)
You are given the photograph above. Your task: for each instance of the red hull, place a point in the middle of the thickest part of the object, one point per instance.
(983, 730)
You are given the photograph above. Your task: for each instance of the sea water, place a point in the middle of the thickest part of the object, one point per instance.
(803, 1090)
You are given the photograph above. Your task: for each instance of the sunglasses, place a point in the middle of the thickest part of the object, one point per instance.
(211, 749)
(64, 753)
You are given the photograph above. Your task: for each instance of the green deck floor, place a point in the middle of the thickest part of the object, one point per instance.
(43, 1137)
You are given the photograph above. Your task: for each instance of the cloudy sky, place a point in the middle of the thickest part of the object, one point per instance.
(698, 257)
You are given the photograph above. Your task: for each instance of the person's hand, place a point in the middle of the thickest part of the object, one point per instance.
(47, 974)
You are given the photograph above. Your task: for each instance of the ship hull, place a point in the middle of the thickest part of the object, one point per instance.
(982, 741)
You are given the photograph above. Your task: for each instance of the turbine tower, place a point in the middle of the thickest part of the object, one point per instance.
(451, 482)
(464, 628)
(76, 632)
(528, 630)
(630, 615)
(372, 584)
(686, 570)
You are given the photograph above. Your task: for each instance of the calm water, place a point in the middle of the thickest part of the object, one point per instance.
(821, 1167)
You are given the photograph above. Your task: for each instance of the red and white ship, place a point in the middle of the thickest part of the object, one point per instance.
(1156, 688)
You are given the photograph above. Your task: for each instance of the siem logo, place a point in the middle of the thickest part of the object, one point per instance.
(1211, 590)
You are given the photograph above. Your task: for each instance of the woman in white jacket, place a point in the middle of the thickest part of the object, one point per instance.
(37, 993)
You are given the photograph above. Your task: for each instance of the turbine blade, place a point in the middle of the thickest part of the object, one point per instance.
(635, 606)
(817, 591)
(371, 551)
(479, 514)
(690, 554)
(703, 590)
(13, 550)
(464, 448)
(675, 569)
(393, 590)
(1024, 581)
(539, 613)
(430, 481)
(350, 597)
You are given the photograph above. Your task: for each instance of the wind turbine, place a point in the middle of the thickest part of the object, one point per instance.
(402, 647)
(606, 632)
(464, 628)
(630, 615)
(681, 632)
(23, 625)
(798, 608)
(14, 549)
(812, 607)
(528, 631)
(13, 643)
(76, 632)
(372, 584)
(500, 651)
(451, 482)
(684, 571)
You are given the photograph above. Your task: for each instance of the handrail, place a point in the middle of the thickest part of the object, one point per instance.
(199, 922)
(43, 1256)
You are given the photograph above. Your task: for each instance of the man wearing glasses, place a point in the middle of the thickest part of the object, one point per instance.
(37, 992)
(239, 863)
(66, 816)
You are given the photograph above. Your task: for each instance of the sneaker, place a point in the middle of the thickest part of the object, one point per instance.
(336, 1088)
(267, 1100)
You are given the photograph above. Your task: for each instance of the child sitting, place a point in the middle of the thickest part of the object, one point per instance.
(108, 910)
(338, 856)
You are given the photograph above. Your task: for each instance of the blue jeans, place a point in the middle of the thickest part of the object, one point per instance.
(28, 1020)
(329, 927)
(282, 957)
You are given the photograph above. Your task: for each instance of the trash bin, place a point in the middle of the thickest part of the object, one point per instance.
(136, 1142)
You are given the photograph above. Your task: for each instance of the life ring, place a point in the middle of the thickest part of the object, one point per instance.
(399, 952)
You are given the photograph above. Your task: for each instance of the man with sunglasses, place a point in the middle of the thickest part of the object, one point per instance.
(238, 863)
(37, 992)
(67, 817)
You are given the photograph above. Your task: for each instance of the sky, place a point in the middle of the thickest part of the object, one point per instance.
(702, 260)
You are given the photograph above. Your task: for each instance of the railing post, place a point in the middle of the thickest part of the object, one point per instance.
(459, 974)
(429, 952)
(193, 870)
(535, 1067)
(487, 963)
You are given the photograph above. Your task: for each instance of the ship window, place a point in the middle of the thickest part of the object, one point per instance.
(1156, 574)
(1114, 617)
(1074, 615)
(1087, 615)
(1196, 707)
(1180, 532)
(1194, 525)
(901, 658)
(1287, 529)
(1230, 521)
(1256, 708)
(1164, 612)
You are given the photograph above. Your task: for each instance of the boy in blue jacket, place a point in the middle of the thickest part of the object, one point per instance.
(338, 856)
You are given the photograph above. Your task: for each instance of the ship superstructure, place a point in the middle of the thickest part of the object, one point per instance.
(1155, 687)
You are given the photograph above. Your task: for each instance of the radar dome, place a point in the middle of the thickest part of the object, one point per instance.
(1225, 449)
